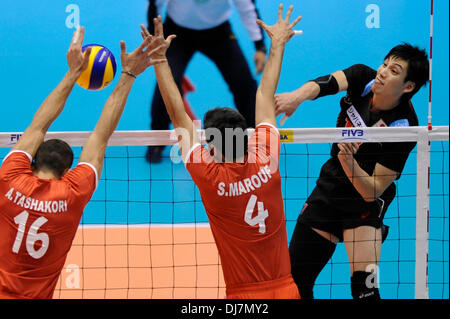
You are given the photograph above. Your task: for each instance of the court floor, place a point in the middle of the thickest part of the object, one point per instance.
(158, 262)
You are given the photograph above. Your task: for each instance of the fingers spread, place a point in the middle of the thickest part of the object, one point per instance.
(144, 30)
(288, 14)
(149, 54)
(170, 38)
(158, 26)
(145, 43)
(293, 24)
(264, 26)
(280, 12)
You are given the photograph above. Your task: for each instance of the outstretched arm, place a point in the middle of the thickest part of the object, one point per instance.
(289, 102)
(133, 64)
(280, 34)
(55, 102)
(184, 127)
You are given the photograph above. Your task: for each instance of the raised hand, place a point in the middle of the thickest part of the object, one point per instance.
(140, 59)
(76, 60)
(163, 43)
(281, 31)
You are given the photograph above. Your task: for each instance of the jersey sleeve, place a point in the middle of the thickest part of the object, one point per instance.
(264, 145)
(358, 76)
(200, 165)
(83, 180)
(15, 163)
(395, 155)
(249, 14)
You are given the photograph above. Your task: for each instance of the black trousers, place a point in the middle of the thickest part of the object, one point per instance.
(221, 46)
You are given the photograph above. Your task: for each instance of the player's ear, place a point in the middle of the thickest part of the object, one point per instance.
(409, 87)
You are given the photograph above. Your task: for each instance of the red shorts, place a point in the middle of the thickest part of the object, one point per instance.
(281, 288)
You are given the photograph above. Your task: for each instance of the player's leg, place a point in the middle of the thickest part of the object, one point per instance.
(178, 56)
(221, 46)
(309, 252)
(363, 246)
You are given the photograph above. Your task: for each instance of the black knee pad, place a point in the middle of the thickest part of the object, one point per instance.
(309, 253)
(361, 290)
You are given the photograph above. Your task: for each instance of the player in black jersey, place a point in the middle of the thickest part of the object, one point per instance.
(356, 185)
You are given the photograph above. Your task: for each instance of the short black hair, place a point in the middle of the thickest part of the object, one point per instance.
(232, 128)
(54, 155)
(418, 65)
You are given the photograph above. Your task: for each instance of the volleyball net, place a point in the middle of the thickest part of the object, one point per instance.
(145, 232)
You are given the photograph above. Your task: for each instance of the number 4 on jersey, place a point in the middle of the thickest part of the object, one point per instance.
(260, 218)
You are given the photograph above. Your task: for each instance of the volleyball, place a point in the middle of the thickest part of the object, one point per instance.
(101, 68)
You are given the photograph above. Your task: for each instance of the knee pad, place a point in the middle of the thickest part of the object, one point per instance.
(361, 288)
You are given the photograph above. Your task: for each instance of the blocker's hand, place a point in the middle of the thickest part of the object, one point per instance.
(76, 60)
(282, 31)
(163, 43)
(140, 59)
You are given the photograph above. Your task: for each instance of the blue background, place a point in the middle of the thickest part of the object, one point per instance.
(34, 39)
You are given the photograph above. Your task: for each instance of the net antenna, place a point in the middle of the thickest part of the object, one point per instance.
(430, 75)
(423, 193)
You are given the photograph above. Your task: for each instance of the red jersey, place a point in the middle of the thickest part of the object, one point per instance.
(244, 205)
(38, 221)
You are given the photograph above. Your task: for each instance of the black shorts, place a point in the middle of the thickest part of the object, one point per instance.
(333, 219)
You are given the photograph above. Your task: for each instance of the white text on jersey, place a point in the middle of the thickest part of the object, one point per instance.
(246, 185)
(47, 206)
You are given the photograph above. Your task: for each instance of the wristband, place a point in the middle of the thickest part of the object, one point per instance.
(129, 73)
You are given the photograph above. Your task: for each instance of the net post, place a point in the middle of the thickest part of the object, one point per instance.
(422, 215)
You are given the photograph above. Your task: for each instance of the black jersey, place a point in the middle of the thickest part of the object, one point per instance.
(333, 186)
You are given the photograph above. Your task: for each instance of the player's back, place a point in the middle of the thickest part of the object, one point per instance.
(38, 221)
(245, 209)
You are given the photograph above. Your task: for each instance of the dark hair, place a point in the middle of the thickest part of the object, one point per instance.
(418, 65)
(54, 155)
(231, 126)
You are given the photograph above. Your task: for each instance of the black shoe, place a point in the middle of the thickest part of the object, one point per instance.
(153, 154)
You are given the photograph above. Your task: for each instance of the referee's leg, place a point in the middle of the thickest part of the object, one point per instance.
(223, 49)
(179, 53)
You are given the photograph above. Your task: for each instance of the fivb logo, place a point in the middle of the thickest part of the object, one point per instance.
(357, 133)
(14, 138)
(353, 135)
